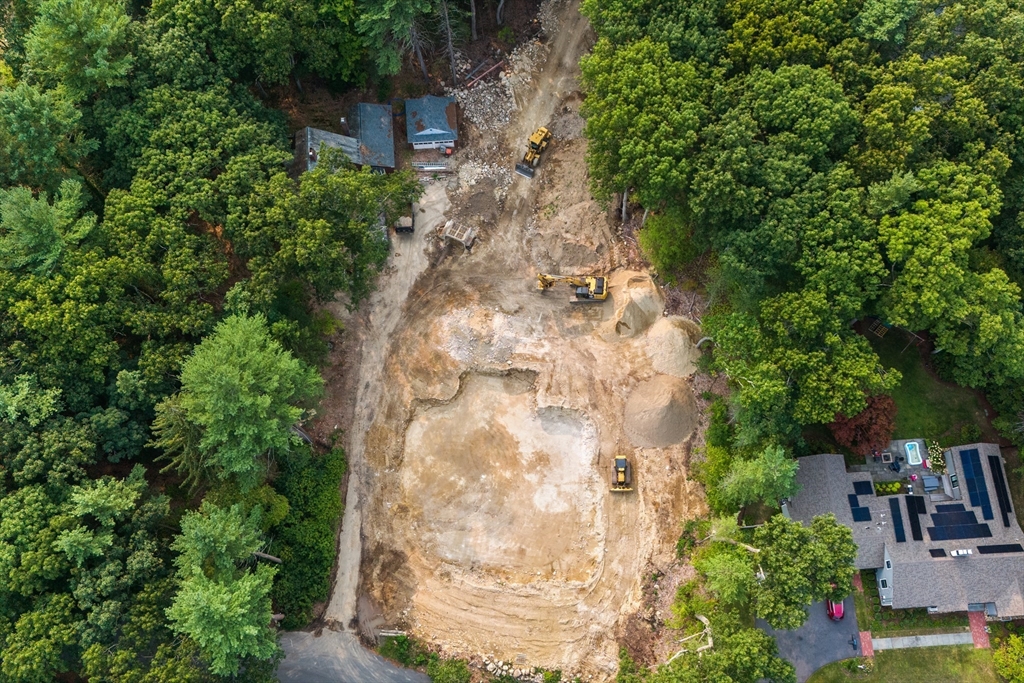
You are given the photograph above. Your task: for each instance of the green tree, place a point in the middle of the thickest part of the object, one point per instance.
(324, 232)
(223, 607)
(769, 477)
(728, 571)
(34, 232)
(802, 565)
(244, 390)
(643, 111)
(80, 44)
(391, 29)
(1009, 659)
(40, 138)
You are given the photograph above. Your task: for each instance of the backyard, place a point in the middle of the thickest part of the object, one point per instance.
(928, 407)
(957, 664)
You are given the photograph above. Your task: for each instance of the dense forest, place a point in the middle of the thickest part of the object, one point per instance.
(159, 329)
(815, 165)
(839, 160)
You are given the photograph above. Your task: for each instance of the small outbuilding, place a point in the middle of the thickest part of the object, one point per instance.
(310, 142)
(432, 122)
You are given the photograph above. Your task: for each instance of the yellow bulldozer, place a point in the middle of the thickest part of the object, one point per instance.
(622, 475)
(537, 144)
(588, 288)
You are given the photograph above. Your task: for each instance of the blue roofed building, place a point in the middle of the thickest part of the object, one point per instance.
(371, 125)
(432, 122)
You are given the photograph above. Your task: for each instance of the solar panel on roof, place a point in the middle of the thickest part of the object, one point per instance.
(996, 549)
(861, 514)
(915, 521)
(897, 520)
(863, 488)
(995, 464)
(974, 478)
(954, 518)
(919, 503)
(950, 508)
(962, 531)
(938, 533)
(854, 503)
(937, 552)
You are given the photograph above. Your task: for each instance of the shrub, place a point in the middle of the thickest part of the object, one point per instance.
(970, 433)
(694, 531)
(667, 240)
(888, 488)
(936, 459)
(869, 429)
(448, 671)
(306, 539)
(406, 651)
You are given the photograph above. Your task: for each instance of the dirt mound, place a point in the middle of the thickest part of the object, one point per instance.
(670, 347)
(638, 303)
(660, 412)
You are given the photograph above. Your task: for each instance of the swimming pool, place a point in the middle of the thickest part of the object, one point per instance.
(913, 453)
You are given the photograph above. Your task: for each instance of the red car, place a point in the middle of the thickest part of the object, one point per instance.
(834, 610)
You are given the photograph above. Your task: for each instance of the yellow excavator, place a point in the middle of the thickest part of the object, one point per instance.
(589, 288)
(537, 144)
(622, 475)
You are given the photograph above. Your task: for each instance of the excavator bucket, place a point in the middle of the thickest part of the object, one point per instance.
(525, 170)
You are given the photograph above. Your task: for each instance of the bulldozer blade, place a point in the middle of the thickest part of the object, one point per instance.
(525, 170)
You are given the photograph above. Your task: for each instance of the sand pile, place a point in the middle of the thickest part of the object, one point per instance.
(670, 347)
(660, 412)
(638, 304)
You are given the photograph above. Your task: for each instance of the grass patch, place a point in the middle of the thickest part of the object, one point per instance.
(884, 622)
(956, 664)
(927, 407)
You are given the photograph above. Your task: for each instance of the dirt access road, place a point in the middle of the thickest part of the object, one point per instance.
(483, 416)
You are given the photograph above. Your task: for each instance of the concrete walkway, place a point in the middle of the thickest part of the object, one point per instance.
(904, 642)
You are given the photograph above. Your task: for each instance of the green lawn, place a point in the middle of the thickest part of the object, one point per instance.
(957, 664)
(885, 621)
(928, 407)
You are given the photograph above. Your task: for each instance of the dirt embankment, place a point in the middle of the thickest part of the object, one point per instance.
(484, 415)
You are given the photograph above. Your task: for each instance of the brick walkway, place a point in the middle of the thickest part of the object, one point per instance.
(867, 648)
(978, 631)
(857, 583)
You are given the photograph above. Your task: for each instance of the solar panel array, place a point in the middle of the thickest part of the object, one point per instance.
(863, 488)
(953, 533)
(897, 519)
(974, 478)
(999, 480)
(937, 552)
(950, 508)
(996, 549)
(860, 514)
(915, 507)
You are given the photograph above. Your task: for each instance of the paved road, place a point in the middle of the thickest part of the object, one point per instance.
(819, 641)
(337, 657)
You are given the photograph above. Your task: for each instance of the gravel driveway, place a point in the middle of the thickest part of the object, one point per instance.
(819, 641)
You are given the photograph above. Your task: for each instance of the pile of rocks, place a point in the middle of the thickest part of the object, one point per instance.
(500, 668)
(472, 170)
(489, 104)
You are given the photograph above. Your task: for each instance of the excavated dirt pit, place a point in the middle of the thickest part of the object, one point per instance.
(488, 475)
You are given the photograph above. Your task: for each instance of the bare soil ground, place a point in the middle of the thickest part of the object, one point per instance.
(484, 415)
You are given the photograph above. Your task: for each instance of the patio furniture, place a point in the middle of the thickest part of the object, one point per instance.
(886, 456)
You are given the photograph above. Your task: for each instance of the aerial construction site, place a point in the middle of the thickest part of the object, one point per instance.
(485, 512)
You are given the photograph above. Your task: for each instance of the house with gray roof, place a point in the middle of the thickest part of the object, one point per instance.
(369, 140)
(310, 143)
(432, 122)
(952, 544)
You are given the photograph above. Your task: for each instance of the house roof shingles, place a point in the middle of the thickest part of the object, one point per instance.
(919, 580)
(315, 139)
(371, 124)
(431, 119)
